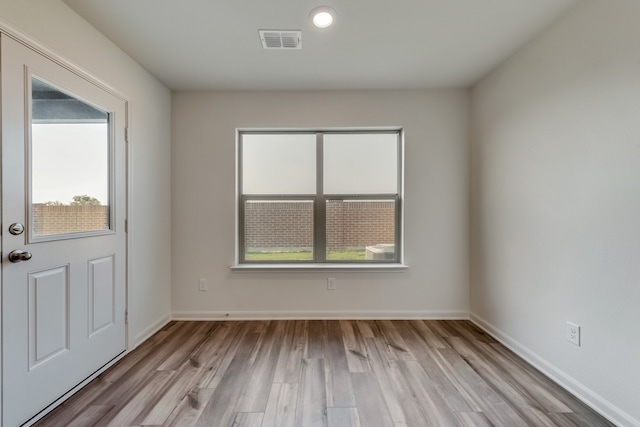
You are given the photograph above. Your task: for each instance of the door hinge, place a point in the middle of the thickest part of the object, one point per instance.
(126, 225)
(126, 316)
(126, 134)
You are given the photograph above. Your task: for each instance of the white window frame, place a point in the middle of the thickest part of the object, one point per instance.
(320, 263)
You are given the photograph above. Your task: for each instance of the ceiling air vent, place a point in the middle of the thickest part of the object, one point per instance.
(281, 39)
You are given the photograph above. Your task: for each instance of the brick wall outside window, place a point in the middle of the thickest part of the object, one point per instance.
(289, 225)
(278, 225)
(355, 224)
(50, 220)
(268, 225)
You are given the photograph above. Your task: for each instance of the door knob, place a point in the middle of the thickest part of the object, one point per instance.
(18, 255)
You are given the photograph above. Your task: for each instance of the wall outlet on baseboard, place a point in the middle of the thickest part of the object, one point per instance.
(573, 333)
(203, 285)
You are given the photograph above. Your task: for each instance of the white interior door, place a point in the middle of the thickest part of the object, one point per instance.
(63, 230)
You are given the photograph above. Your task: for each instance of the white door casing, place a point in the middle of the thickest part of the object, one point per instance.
(63, 310)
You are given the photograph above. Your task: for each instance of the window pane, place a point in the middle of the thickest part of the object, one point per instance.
(278, 230)
(361, 163)
(359, 230)
(279, 164)
(69, 164)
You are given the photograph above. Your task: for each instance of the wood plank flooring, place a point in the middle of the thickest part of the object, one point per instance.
(322, 373)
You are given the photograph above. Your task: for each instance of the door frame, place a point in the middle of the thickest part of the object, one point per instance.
(7, 30)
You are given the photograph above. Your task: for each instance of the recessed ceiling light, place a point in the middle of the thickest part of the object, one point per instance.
(323, 16)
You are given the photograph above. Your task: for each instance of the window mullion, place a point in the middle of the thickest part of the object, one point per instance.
(320, 205)
(241, 229)
(240, 201)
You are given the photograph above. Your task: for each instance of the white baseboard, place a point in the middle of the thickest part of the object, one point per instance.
(318, 315)
(588, 396)
(149, 331)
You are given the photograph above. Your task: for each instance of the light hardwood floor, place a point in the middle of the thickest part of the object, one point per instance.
(322, 373)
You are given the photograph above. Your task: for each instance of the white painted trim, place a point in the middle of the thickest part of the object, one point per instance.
(573, 386)
(59, 59)
(320, 315)
(363, 268)
(148, 332)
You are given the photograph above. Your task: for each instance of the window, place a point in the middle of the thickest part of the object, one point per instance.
(319, 196)
(70, 164)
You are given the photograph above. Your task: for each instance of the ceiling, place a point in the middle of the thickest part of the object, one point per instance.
(374, 44)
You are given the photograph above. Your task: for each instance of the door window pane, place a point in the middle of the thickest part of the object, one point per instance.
(69, 155)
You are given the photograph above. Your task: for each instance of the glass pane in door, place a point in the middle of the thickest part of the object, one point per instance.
(70, 163)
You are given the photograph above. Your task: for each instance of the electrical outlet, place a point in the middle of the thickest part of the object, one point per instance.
(331, 283)
(573, 333)
(204, 286)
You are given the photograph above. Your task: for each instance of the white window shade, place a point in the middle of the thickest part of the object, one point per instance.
(361, 163)
(279, 164)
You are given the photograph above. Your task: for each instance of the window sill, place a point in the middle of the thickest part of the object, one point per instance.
(241, 268)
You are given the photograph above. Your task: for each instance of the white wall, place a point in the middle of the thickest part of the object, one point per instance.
(556, 203)
(54, 25)
(436, 209)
